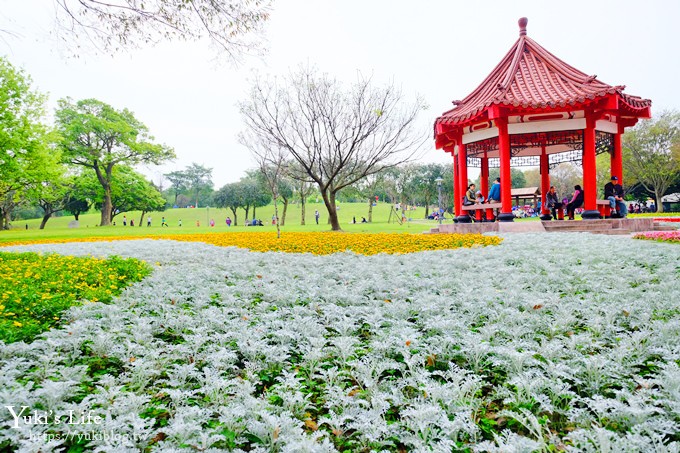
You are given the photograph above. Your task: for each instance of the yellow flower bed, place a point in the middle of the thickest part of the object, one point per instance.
(35, 289)
(319, 243)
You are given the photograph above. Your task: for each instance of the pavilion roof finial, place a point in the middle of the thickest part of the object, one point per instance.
(523, 26)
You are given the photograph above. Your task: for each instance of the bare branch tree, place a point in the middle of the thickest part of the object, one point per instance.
(272, 165)
(337, 136)
(109, 26)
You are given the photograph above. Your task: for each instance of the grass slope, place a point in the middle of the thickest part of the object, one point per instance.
(57, 227)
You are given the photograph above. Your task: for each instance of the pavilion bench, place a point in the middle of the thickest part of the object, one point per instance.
(603, 207)
(479, 207)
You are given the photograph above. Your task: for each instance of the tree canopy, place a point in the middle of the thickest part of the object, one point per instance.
(651, 153)
(99, 137)
(25, 155)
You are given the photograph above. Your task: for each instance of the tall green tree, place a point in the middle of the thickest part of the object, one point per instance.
(179, 183)
(255, 193)
(99, 137)
(52, 195)
(24, 138)
(130, 191)
(82, 195)
(285, 191)
(516, 175)
(231, 196)
(198, 180)
(427, 189)
(651, 153)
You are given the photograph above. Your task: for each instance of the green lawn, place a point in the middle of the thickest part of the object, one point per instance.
(57, 227)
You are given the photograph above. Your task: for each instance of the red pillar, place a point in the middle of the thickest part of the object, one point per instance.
(484, 182)
(506, 183)
(545, 183)
(589, 171)
(457, 200)
(617, 158)
(462, 179)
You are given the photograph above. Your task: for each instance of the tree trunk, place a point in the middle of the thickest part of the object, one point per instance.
(276, 214)
(658, 203)
(254, 214)
(235, 219)
(329, 201)
(370, 210)
(285, 209)
(427, 206)
(303, 204)
(45, 218)
(141, 218)
(6, 219)
(247, 210)
(76, 215)
(107, 206)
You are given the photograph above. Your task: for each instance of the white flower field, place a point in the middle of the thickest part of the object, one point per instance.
(562, 342)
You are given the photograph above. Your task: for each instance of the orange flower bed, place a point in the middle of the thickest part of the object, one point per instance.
(317, 243)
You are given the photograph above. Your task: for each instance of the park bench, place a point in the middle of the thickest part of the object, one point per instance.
(479, 207)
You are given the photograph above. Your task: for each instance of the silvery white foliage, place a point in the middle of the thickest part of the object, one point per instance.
(600, 440)
(626, 409)
(429, 423)
(508, 442)
(538, 432)
(549, 322)
(293, 400)
(529, 387)
(669, 382)
(274, 430)
(141, 373)
(186, 425)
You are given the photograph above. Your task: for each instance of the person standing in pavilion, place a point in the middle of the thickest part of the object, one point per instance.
(495, 194)
(613, 191)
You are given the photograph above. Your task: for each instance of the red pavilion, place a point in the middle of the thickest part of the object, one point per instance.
(536, 110)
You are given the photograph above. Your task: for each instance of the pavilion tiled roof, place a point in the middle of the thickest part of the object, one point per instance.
(531, 77)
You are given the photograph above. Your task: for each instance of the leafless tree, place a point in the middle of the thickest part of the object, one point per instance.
(338, 136)
(272, 165)
(232, 26)
(302, 187)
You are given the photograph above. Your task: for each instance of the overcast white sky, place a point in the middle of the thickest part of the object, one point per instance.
(439, 49)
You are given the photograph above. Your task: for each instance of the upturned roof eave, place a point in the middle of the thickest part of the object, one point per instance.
(584, 89)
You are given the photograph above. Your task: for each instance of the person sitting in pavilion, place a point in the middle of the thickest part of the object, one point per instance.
(470, 196)
(552, 202)
(576, 201)
(613, 191)
(469, 199)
